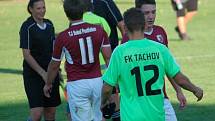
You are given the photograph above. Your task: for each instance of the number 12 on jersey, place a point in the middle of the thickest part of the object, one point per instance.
(136, 71)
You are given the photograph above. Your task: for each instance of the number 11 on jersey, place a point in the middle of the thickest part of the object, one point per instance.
(83, 50)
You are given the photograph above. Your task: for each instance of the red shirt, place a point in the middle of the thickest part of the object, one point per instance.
(81, 44)
(157, 34)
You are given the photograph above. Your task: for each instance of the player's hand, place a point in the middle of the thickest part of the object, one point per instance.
(47, 90)
(198, 93)
(182, 100)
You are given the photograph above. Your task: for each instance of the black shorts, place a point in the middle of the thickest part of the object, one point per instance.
(34, 90)
(189, 6)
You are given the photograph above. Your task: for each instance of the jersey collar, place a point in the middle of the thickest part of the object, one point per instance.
(42, 27)
(150, 32)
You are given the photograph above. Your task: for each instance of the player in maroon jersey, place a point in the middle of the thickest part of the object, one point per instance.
(158, 34)
(81, 44)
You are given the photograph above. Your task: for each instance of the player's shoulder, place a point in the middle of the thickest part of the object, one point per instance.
(63, 33)
(159, 28)
(93, 15)
(89, 15)
(137, 44)
(126, 45)
(118, 49)
(100, 18)
(155, 44)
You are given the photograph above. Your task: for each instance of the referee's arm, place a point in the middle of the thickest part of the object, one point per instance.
(33, 63)
(116, 15)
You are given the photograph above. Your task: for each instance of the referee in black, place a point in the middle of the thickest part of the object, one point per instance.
(110, 12)
(36, 41)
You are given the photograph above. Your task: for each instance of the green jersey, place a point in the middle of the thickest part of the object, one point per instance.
(94, 19)
(139, 67)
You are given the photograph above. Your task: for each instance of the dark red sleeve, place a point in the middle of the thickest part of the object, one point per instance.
(58, 48)
(106, 41)
(124, 38)
(165, 38)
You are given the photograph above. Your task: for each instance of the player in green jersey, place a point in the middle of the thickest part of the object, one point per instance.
(139, 71)
(95, 19)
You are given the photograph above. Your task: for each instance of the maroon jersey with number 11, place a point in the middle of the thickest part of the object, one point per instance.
(81, 44)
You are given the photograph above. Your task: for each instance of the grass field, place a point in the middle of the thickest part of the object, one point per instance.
(196, 57)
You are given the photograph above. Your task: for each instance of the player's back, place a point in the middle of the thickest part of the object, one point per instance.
(141, 72)
(81, 44)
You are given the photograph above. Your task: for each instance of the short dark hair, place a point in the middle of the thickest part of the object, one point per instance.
(31, 4)
(139, 3)
(134, 20)
(73, 9)
(88, 5)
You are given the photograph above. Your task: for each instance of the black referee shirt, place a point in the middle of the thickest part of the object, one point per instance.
(38, 40)
(109, 11)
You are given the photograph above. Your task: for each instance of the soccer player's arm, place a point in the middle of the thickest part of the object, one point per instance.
(185, 83)
(180, 96)
(106, 48)
(25, 44)
(173, 70)
(110, 78)
(116, 15)
(54, 65)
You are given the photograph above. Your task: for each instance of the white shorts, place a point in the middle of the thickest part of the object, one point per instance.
(169, 111)
(84, 97)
